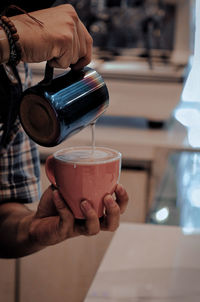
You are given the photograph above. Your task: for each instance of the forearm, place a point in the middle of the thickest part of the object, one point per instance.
(4, 47)
(15, 223)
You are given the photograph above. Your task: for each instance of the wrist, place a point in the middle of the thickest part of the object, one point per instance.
(4, 47)
(13, 40)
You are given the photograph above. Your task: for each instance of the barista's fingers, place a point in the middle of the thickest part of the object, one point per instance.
(111, 222)
(64, 212)
(62, 62)
(92, 224)
(85, 53)
(121, 197)
(83, 61)
(79, 55)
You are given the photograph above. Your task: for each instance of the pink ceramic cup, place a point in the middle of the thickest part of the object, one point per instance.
(84, 173)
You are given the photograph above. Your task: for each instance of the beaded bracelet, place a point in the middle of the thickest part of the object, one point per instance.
(13, 39)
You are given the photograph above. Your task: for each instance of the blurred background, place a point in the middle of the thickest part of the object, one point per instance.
(137, 31)
(135, 26)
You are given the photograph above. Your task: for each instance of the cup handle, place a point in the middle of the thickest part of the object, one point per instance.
(49, 168)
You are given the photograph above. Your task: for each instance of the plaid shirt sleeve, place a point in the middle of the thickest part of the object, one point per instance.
(19, 169)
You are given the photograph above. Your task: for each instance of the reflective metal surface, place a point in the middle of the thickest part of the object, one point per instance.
(50, 112)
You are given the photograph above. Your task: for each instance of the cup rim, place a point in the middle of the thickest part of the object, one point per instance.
(118, 155)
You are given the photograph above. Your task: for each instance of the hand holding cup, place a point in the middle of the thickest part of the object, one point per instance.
(84, 173)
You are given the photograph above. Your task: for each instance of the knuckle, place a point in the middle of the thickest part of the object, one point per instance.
(66, 38)
(69, 8)
(74, 59)
(91, 214)
(75, 17)
(72, 13)
(89, 40)
(87, 60)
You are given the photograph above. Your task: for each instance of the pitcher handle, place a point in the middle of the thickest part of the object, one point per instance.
(48, 75)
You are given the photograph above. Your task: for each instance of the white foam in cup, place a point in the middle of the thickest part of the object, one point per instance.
(87, 155)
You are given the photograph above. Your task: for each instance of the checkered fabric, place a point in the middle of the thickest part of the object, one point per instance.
(19, 168)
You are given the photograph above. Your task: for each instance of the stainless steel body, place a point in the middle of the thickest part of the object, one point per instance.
(56, 108)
